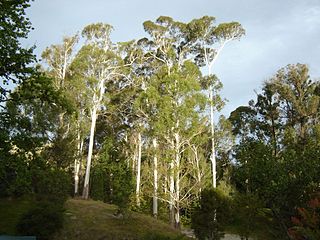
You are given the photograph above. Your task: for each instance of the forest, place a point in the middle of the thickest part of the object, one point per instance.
(137, 124)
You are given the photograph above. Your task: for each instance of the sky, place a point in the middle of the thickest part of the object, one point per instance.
(278, 33)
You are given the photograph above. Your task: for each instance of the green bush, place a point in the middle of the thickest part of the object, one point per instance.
(112, 179)
(157, 236)
(51, 184)
(42, 221)
(211, 215)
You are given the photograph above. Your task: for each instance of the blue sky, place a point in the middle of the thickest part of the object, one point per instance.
(278, 32)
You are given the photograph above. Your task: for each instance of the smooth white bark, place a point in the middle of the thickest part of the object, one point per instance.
(155, 179)
(177, 195)
(138, 177)
(171, 190)
(213, 154)
(90, 150)
(209, 64)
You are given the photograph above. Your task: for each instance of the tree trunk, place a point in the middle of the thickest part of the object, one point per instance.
(177, 194)
(213, 155)
(171, 189)
(198, 168)
(85, 193)
(77, 164)
(138, 179)
(155, 179)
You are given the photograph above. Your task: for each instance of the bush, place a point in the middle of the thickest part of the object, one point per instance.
(42, 221)
(51, 184)
(157, 236)
(112, 180)
(210, 217)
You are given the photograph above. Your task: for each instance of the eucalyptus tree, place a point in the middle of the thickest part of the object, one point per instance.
(59, 58)
(208, 41)
(176, 99)
(96, 63)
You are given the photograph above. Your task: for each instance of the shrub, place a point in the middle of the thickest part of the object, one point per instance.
(210, 217)
(42, 221)
(157, 236)
(51, 184)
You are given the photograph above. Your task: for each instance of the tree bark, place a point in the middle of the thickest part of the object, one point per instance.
(177, 180)
(85, 193)
(171, 190)
(155, 179)
(77, 164)
(138, 178)
(213, 154)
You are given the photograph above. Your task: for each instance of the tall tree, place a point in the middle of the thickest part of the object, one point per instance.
(97, 63)
(59, 58)
(209, 40)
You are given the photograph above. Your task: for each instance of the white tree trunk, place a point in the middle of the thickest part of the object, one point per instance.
(85, 194)
(138, 178)
(177, 173)
(171, 190)
(77, 164)
(199, 177)
(155, 179)
(213, 154)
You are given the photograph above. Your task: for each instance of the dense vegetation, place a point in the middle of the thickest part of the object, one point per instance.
(132, 124)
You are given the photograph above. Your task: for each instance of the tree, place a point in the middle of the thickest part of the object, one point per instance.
(97, 63)
(28, 128)
(276, 154)
(208, 41)
(59, 59)
(300, 103)
(15, 60)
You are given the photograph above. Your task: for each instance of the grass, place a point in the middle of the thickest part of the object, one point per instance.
(11, 211)
(97, 220)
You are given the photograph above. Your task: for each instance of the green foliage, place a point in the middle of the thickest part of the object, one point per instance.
(210, 217)
(249, 214)
(111, 178)
(157, 236)
(15, 60)
(51, 184)
(277, 153)
(42, 221)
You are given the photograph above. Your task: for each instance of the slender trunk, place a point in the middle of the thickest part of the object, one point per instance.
(138, 179)
(171, 189)
(198, 168)
(85, 193)
(155, 179)
(213, 155)
(135, 156)
(177, 194)
(77, 163)
(126, 152)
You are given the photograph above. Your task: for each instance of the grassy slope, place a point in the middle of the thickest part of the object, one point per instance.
(97, 220)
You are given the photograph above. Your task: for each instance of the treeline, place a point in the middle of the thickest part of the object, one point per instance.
(132, 123)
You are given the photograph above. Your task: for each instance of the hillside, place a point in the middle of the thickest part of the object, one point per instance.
(97, 220)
